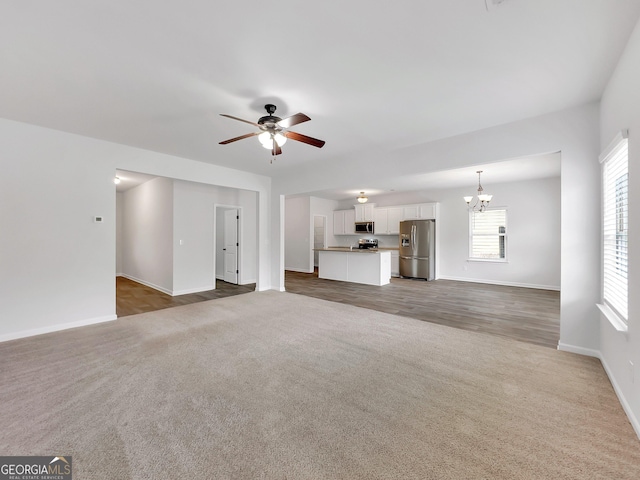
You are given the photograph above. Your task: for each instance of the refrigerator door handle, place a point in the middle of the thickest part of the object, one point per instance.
(413, 239)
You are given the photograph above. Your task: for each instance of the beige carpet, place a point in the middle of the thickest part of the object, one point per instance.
(276, 385)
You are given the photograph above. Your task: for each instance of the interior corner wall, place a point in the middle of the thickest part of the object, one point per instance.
(298, 235)
(620, 110)
(147, 234)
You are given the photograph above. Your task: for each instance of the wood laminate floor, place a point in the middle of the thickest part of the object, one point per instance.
(524, 314)
(133, 297)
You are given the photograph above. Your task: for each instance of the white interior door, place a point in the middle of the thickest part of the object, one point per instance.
(231, 246)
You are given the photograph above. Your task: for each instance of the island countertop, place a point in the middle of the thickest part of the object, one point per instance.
(354, 250)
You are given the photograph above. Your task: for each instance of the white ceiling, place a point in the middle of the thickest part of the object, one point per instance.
(157, 74)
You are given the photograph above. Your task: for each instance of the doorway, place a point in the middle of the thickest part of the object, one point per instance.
(319, 236)
(227, 243)
(230, 249)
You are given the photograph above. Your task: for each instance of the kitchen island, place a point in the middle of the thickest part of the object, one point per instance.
(367, 266)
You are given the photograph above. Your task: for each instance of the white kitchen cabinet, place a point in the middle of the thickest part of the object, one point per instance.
(364, 212)
(420, 211)
(387, 220)
(343, 222)
(427, 210)
(380, 220)
(410, 212)
(394, 217)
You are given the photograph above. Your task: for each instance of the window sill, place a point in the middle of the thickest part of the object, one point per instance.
(488, 260)
(615, 321)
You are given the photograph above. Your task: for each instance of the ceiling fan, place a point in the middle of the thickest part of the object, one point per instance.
(273, 131)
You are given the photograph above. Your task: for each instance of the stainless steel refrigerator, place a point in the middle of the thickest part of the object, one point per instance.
(417, 249)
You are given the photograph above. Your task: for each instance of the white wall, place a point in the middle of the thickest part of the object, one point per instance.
(620, 352)
(298, 243)
(119, 230)
(194, 205)
(533, 235)
(53, 184)
(57, 266)
(147, 234)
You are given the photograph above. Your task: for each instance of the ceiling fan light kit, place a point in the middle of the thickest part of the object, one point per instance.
(273, 131)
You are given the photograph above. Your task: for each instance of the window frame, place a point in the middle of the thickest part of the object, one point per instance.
(504, 235)
(613, 305)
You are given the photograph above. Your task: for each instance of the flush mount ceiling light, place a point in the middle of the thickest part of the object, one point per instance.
(362, 198)
(116, 180)
(483, 199)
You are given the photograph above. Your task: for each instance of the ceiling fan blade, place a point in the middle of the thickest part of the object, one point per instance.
(304, 139)
(276, 150)
(240, 119)
(293, 120)
(240, 138)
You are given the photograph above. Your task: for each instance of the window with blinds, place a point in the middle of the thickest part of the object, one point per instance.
(488, 235)
(615, 227)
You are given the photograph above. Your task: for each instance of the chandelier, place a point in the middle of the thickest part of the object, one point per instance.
(482, 201)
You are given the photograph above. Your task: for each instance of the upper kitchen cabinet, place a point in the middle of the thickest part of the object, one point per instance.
(387, 220)
(421, 211)
(364, 212)
(343, 222)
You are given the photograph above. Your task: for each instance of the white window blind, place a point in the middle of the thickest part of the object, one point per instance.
(615, 227)
(488, 234)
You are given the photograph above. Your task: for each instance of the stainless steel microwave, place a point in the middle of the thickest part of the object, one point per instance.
(364, 227)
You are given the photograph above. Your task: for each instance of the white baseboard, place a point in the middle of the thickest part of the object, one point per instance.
(498, 282)
(623, 401)
(55, 328)
(588, 352)
(616, 388)
(206, 288)
(148, 284)
(301, 270)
